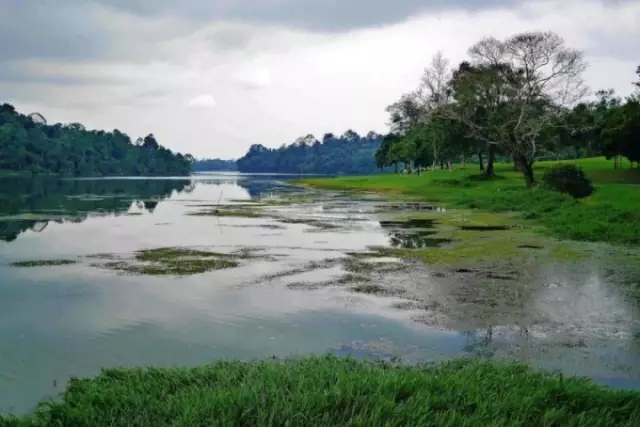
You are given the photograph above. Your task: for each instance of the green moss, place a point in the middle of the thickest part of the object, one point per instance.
(331, 391)
(43, 263)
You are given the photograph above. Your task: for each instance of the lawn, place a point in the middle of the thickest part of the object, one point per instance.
(610, 214)
(330, 391)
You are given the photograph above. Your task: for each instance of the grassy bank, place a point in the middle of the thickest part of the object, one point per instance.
(610, 214)
(330, 391)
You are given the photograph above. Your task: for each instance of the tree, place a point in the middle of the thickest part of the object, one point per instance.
(514, 90)
(29, 145)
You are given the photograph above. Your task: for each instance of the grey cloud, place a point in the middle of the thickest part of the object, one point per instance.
(316, 15)
(30, 29)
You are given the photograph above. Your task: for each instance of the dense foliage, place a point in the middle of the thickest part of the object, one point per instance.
(347, 154)
(569, 179)
(29, 145)
(205, 165)
(520, 100)
(333, 391)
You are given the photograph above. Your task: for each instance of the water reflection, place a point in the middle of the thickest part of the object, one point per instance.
(30, 204)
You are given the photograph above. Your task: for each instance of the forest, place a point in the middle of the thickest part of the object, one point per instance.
(28, 145)
(521, 99)
(205, 165)
(335, 155)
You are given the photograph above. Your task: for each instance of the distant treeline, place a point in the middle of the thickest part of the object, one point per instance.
(335, 155)
(205, 165)
(29, 145)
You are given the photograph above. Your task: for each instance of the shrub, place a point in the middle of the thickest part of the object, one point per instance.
(568, 179)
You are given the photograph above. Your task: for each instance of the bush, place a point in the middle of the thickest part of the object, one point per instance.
(568, 179)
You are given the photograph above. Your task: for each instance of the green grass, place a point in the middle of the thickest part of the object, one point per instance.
(610, 214)
(330, 391)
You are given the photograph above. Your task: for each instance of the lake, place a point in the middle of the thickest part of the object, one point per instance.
(301, 292)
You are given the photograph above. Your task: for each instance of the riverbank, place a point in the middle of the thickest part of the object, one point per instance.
(611, 214)
(321, 391)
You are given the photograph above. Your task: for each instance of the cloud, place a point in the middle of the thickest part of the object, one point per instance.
(135, 65)
(202, 101)
(253, 77)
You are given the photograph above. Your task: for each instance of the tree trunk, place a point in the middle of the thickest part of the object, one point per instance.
(515, 164)
(396, 165)
(462, 161)
(526, 166)
(441, 164)
(489, 173)
(449, 165)
(481, 161)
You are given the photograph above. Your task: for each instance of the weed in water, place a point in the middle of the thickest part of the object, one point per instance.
(43, 263)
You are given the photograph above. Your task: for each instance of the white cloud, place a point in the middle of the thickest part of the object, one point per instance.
(202, 101)
(253, 77)
(305, 82)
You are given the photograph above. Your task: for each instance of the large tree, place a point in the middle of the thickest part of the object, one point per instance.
(514, 90)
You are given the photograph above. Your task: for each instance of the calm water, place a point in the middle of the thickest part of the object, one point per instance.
(57, 322)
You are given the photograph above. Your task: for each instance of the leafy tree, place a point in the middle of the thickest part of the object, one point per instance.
(29, 145)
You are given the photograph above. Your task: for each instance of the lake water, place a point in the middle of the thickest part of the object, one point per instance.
(71, 320)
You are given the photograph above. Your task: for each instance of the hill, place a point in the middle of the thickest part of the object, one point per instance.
(206, 165)
(345, 155)
(31, 146)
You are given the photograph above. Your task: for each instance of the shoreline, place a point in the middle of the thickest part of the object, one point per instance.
(611, 214)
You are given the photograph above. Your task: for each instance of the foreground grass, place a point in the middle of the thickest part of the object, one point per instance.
(330, 391)
(610, 214)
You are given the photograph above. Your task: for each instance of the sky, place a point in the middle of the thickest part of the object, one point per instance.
(212, 77)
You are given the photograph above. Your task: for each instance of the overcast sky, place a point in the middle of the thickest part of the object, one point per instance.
(212, 77)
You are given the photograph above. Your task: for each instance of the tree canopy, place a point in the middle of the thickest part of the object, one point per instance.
(346, 154)
(522, 98)
(29, 145)
(204, 165)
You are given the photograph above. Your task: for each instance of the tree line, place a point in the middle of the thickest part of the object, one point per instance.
(29, 145)
(203, 165)
(520, 99)
(333, 155)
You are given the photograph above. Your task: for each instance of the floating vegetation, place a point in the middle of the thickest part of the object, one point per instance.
(239, 213)
(311, 222)
(172, 262)
(43, 263)
(485, 227)
(410, 223)
(417, 240)
(530, 247)
(369, 288)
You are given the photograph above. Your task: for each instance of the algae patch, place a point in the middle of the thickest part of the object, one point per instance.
(43, 263)
(237, 213)
(172, 262)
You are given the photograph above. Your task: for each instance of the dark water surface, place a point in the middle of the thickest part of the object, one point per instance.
(62, 321)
